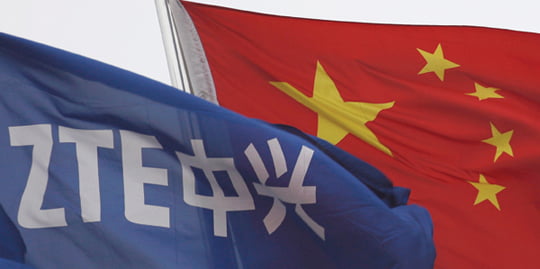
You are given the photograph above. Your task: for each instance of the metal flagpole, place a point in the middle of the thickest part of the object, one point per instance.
(173, 50)
(188, 65)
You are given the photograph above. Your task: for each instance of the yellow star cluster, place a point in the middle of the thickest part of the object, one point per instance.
(438, 64)
(337, 118)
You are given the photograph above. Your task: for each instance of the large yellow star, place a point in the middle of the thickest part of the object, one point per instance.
(487, 191)
(435, 62)
(501, 141)
(484, 93)
(337, 118)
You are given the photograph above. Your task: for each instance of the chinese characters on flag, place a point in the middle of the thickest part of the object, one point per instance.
(450, 112)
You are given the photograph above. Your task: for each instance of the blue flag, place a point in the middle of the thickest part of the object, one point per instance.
(103, 168)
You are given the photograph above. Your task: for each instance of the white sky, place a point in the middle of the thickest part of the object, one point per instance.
(126, 33)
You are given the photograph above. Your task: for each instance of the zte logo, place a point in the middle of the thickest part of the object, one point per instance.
(87, 143)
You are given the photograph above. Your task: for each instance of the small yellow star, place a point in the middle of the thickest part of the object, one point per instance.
(484, 93)
(487, 191)
(435, 62)
(336, 117)
(501, 141)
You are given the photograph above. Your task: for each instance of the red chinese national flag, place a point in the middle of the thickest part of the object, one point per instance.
(449, 112)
